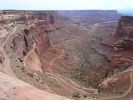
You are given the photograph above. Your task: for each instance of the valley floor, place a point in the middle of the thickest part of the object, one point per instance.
(75, 66)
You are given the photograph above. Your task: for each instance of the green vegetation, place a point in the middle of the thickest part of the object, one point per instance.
(122, 98)
(92, 69)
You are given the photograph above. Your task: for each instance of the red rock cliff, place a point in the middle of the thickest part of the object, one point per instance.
(122, 42)
(36, 31)
(124, 33)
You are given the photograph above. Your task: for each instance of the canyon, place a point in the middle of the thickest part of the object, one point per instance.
(66, 55)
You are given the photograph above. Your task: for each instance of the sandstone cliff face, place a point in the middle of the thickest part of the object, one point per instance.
(124, 33)
(125, 26)
(36, 31)
(39, 35)
(22, 43)
(23, 38)
(122, 43)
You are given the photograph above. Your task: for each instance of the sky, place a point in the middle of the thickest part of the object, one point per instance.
(66, 4)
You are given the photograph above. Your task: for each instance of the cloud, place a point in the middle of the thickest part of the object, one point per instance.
(65, 4)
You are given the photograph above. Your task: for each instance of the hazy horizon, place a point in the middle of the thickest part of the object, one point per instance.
(123, 6)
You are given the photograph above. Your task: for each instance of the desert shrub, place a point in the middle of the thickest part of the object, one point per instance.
(76, 95)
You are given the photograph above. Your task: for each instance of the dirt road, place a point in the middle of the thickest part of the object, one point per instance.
(65, 83)
(129, 72)
(62, 81)
(6, 64)
(52, 62)
(126, 92)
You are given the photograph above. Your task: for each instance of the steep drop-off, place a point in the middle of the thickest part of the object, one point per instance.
(78, 56)
(119, 74)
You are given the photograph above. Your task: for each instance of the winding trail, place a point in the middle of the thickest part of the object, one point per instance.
(34, 46)
(52, 62)
(91, 90)
(6, 64)
(65, 82)
(62, 80)
(125, 94)
(121, 74)
(128, 71)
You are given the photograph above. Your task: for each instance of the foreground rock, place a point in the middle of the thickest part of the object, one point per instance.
(14, 89)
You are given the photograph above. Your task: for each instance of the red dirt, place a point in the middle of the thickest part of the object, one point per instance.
(31, 93)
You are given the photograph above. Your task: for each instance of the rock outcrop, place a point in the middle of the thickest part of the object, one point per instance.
(33, 29)
(28, 28)
(34, 33)
(124, 33)
(122, 43)
(14, 89)
(24, 38)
